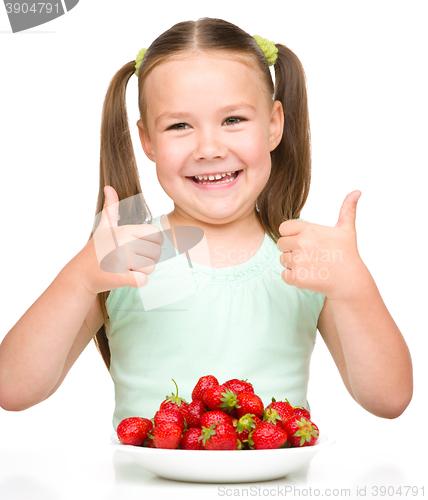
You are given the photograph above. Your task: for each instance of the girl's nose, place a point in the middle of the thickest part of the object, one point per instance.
(208, 147)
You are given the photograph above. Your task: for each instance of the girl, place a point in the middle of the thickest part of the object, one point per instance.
(231, 282)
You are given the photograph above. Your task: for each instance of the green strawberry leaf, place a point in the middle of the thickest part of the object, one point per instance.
(271, 415)
(206, 433)
(246, 422)
(174, 398)
(250, 442)
(229, 400)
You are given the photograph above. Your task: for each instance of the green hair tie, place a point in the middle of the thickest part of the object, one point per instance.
(139, 60)
(268, 48)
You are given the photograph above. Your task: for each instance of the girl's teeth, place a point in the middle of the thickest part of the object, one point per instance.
(215, 177)
(212, 177)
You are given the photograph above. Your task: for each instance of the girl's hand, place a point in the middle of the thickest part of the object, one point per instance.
(324, 259)
(119, 256)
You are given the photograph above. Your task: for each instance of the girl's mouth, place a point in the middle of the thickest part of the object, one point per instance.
(224, 179)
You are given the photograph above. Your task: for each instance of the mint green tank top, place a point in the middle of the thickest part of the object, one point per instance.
(240, 322)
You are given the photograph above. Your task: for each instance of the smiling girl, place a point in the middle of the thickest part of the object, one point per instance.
(231, 282)
(230, 129)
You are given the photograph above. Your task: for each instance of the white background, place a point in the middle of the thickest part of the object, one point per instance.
(367, 84)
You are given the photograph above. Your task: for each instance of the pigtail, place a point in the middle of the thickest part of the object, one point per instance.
(118, 168)
(287, 189)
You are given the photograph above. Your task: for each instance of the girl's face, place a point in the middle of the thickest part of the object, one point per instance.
(210, 116)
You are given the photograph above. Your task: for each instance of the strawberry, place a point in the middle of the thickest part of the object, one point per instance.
(220, 398)
(167, 435)
(169, 416)
(267, 436)
(174, 402)
(149, 423)
(214, 417)
(202, 385)
(193, 412)
(238, 386)
(245, 425)
(299, 411)
(278, 412)
(219, 437)
(248, 402)
(190, 439)
(301, 432)
(133, 430)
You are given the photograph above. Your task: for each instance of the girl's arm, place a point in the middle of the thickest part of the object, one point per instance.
(369, 351)
(366, 344)
(39, 350)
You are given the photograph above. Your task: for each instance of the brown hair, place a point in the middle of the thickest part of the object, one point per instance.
(286, 191)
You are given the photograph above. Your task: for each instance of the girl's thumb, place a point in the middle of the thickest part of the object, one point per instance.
(348, 212)
(110, 212)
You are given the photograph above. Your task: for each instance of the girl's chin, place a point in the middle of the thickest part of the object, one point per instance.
(216, 213)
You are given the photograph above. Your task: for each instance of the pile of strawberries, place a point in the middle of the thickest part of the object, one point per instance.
(227, 416)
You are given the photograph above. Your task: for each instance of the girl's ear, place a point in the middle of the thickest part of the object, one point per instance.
(276, 125)
(146, 142)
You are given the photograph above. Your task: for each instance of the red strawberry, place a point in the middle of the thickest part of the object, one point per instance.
(300, 412)
(149, 423)
(267, 436)
(245, 425)
(278, 412)
(301, 432)
(169, 416)
(238, 386)
(248, 402)
(220, 398)
(214, 417)
(190, 439)
(173, 402)
(202, 385)
(219, 437)
(167, 435)
(133, 430)
(193, 412)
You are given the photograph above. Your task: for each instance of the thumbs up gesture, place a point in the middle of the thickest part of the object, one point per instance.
(323, 259)
(119, 256)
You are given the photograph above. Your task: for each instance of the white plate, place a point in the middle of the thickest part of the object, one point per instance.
(222, 466)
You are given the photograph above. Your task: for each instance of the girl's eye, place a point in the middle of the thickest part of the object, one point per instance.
(178, 126)
(233, 120)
